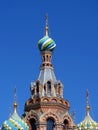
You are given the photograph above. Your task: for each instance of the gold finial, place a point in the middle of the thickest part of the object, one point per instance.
(46, 28)
(15, 103)
(87, 103)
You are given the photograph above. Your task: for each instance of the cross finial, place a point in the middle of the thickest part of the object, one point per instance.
(87, 96)
(15, 103)
(87, 103)
(15, 94)
(46, 28)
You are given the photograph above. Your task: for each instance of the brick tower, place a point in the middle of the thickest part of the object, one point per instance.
(47, 109)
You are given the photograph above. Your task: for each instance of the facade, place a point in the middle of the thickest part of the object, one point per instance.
(47, 109)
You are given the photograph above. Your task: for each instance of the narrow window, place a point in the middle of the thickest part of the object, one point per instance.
(47, 57)
(33, 91)
(33, 124)
(43, 58)
(49, 87)
(65, 127)
(45, 88)
(37, 89)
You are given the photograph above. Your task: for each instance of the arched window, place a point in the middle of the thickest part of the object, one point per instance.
(33, 91)
(49, 87)
(45, 88)
(65, 127)
(37, 85)
(50, 124)
(33, 124)
(47, 57)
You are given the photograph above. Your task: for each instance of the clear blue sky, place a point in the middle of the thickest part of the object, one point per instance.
(73, 24)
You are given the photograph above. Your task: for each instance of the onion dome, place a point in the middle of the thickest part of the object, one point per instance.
(88, 123)
(46, 43)
(15, 122)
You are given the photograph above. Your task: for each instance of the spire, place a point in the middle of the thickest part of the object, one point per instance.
(15, 103)
(87, 103)
(46, 43)
(46, 28)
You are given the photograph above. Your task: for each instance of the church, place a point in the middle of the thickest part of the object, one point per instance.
(46, 109)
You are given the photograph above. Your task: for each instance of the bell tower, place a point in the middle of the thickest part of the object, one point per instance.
(47, 109)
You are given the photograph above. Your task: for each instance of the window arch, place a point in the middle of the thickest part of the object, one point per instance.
(65, 127)
(33, 124)
(50, 124)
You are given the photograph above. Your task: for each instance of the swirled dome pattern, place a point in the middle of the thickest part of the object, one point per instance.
(46, 44)
(14, 123)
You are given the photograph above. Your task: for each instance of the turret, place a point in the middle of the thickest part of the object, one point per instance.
(46, 84)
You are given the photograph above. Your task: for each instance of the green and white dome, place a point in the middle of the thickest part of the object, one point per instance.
(15, 122)
(46, 44)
